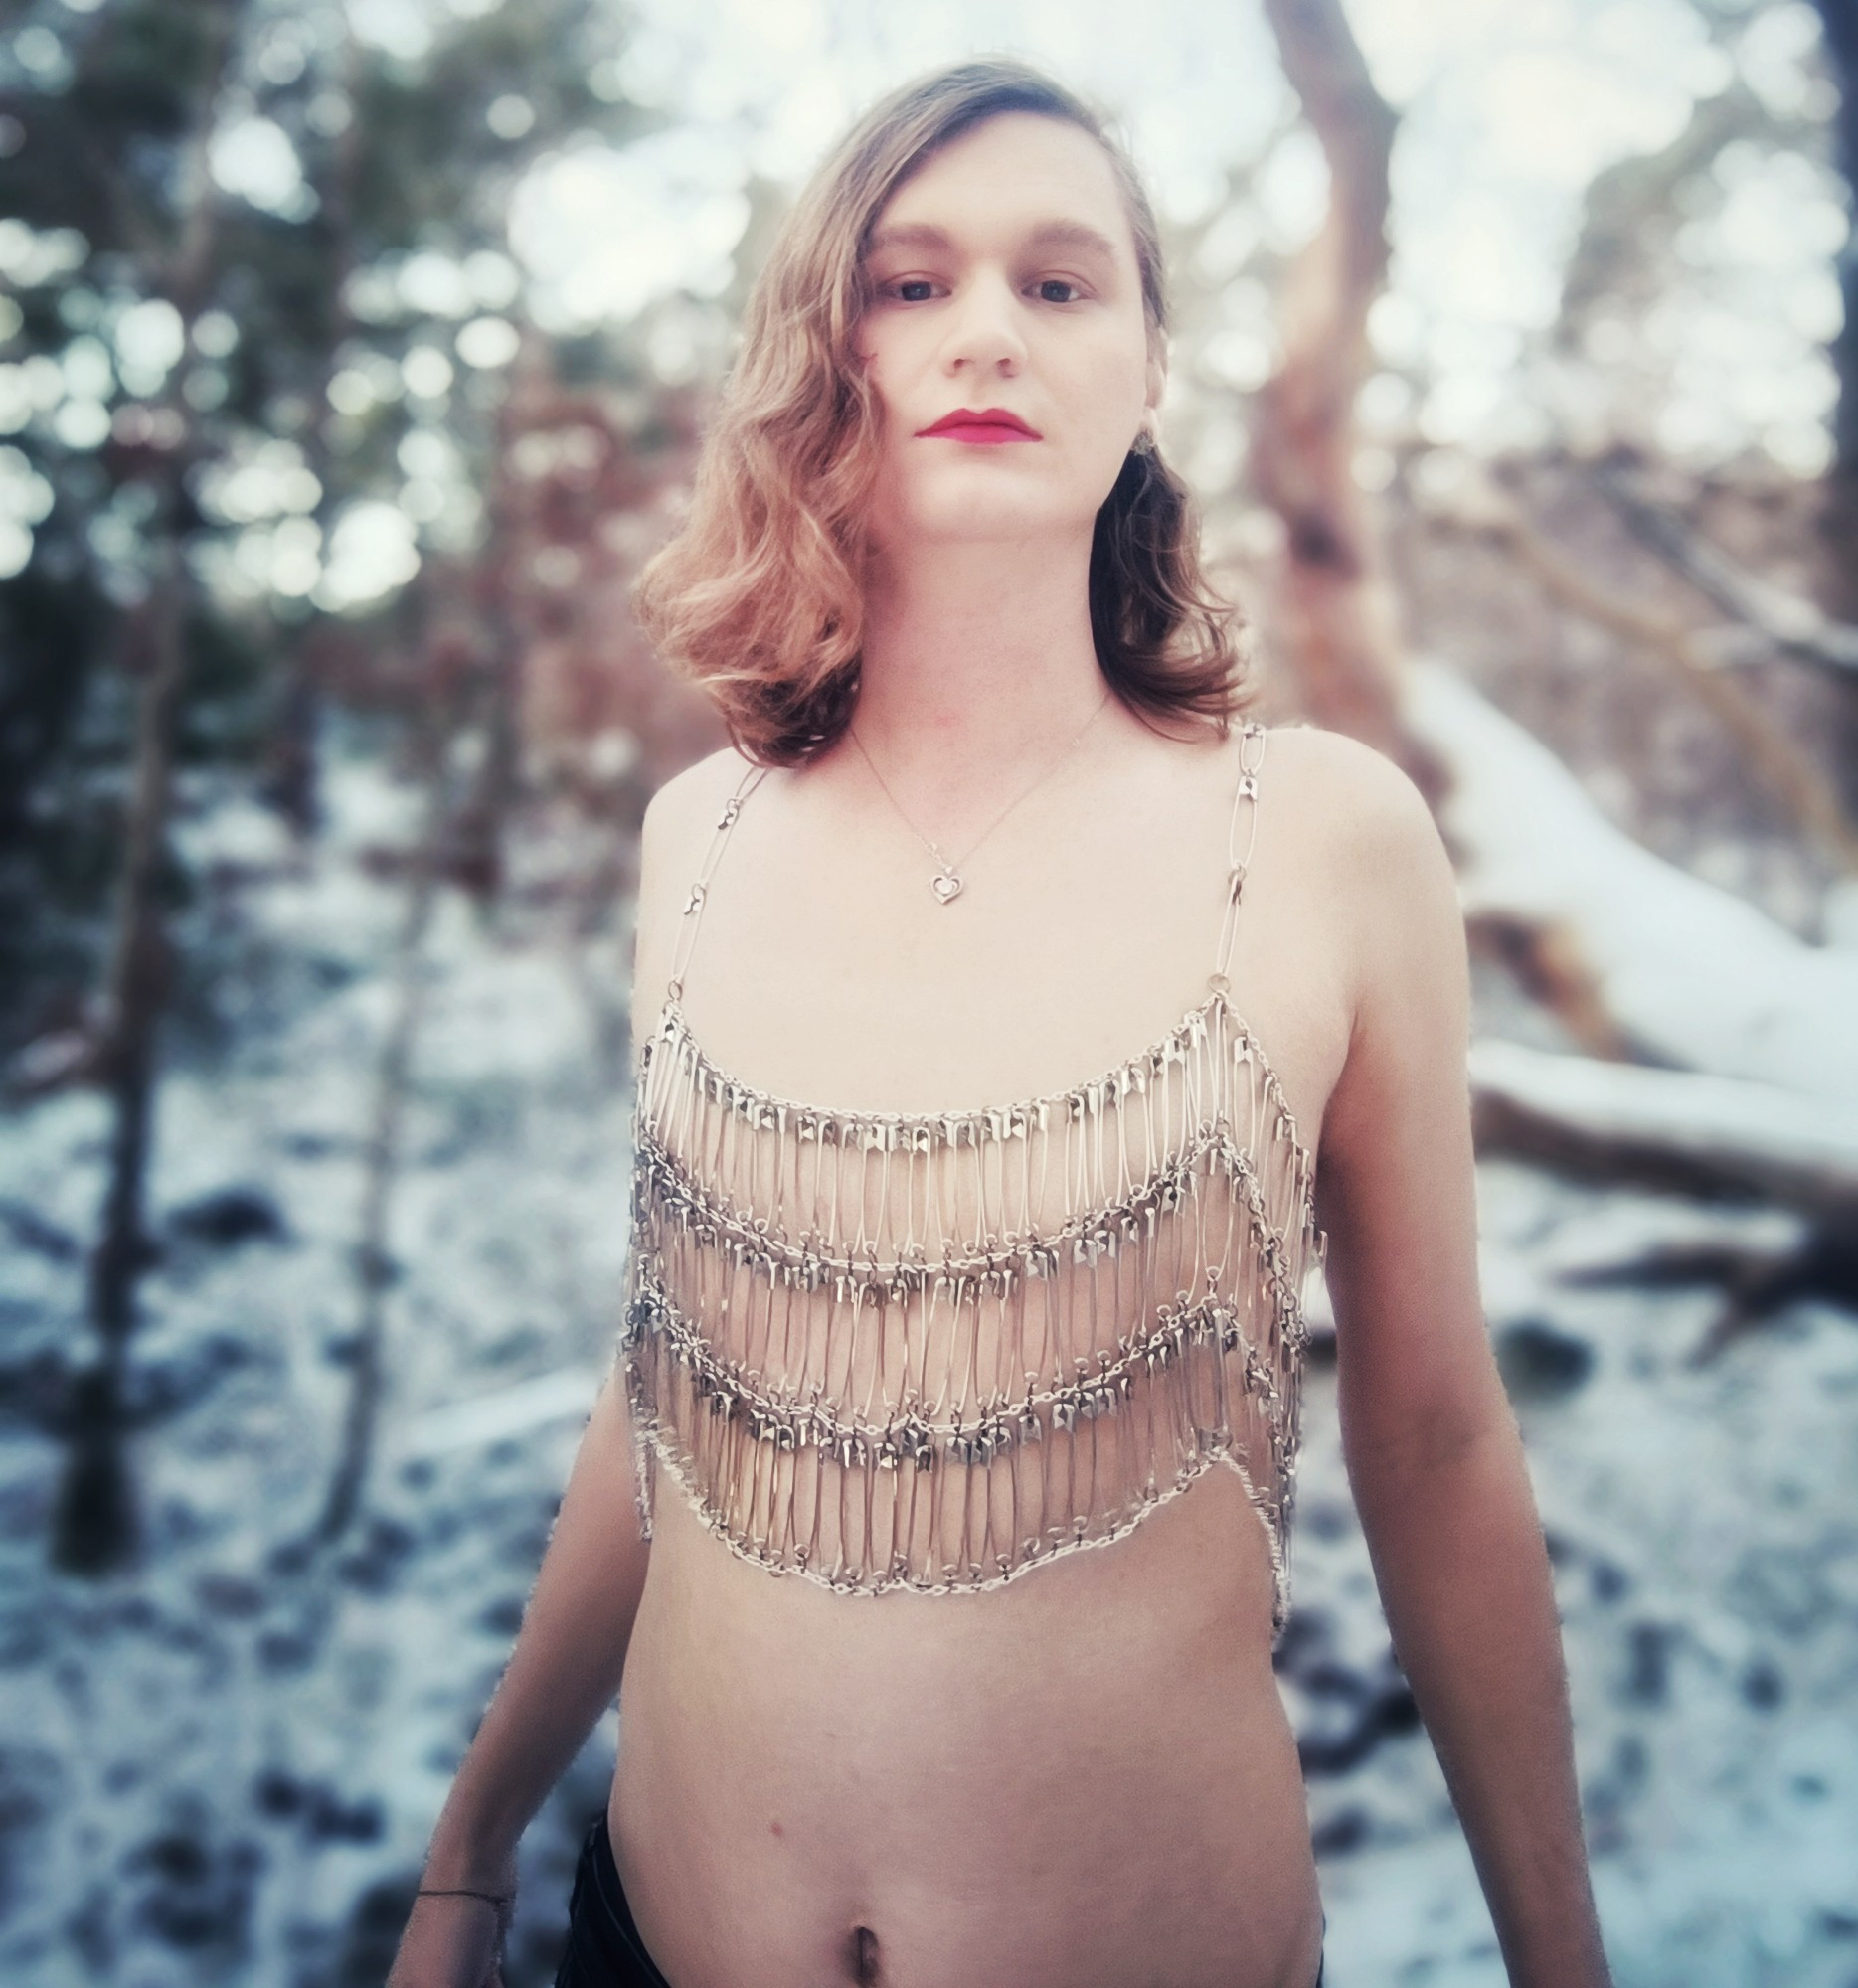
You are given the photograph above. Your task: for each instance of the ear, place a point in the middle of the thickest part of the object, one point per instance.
(1155, 374)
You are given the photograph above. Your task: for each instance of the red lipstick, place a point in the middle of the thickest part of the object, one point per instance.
(990, 424)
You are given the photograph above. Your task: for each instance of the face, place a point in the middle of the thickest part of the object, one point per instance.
(1003, 281)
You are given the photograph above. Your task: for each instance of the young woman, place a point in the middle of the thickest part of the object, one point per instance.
(977, 1176)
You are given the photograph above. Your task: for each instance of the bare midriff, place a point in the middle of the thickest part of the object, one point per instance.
(1082, 1779)
(966, 1441)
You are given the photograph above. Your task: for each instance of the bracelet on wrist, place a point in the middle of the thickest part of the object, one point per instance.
(503, 1904)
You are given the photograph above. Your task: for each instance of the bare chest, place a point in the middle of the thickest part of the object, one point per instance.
(830, 971)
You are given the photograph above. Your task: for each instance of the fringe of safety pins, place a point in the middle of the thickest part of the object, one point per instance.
(1110, 1304)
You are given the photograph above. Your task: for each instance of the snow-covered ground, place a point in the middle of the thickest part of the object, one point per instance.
(219, 1768)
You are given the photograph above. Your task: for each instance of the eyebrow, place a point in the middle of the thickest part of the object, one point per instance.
(1047, 234)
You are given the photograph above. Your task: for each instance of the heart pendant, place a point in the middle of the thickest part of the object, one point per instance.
(948, 887)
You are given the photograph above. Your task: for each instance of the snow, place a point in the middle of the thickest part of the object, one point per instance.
(221, 1769)
(1693, 975)
(1703, 1521)
(1750, 1128)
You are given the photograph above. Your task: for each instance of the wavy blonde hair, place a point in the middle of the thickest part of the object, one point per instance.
(759, 598)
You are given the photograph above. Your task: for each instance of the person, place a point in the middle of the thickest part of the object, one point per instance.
(1050, 1017)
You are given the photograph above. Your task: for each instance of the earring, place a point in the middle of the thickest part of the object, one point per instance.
(1146, 442)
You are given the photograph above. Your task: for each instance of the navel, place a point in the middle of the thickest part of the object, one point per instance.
(862, 1955)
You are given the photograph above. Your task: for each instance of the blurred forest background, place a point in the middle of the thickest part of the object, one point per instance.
(353, 356)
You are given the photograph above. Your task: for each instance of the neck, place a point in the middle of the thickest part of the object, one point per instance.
(978, 659)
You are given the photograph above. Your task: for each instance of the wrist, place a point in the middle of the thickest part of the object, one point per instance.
(471, 1855)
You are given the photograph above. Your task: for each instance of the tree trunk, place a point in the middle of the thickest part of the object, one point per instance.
(1838, 517)
(1838, 22)
(292, 769)
(94, 1524)
(374, 1262)
(1336, 625)
(442, 698)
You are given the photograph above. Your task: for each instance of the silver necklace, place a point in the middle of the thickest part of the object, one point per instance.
(947, 882)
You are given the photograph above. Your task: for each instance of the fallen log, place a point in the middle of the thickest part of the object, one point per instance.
(1666, 1128)
(1685, 973)
(1638, 958)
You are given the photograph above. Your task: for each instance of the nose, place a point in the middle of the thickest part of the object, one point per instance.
(983, 328)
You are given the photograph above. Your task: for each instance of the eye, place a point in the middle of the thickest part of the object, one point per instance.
(908, 289)
(1047, 284)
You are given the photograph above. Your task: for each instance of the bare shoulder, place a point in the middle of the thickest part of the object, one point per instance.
(1365, 847)
(679, 820)
(681, 814)
(1349, 799)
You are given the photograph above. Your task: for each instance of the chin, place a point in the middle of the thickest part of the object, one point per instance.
(977, 515)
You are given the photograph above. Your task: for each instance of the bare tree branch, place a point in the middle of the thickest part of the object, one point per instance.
(1484, 510)
(1783, 621)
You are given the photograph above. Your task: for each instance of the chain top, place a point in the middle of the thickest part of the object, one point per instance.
(934, 1350)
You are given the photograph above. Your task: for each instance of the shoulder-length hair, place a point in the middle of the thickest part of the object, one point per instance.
(759, 597)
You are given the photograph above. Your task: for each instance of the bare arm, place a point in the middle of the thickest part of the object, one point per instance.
(562, 1674)
(1433, 1449)
(570, 1654)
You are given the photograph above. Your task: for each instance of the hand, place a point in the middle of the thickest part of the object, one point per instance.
(451, 1940)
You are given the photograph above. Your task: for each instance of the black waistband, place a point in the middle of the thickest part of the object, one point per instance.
(603, 1945)
(604, 1949)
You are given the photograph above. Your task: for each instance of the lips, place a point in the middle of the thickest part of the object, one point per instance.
(988, 425)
